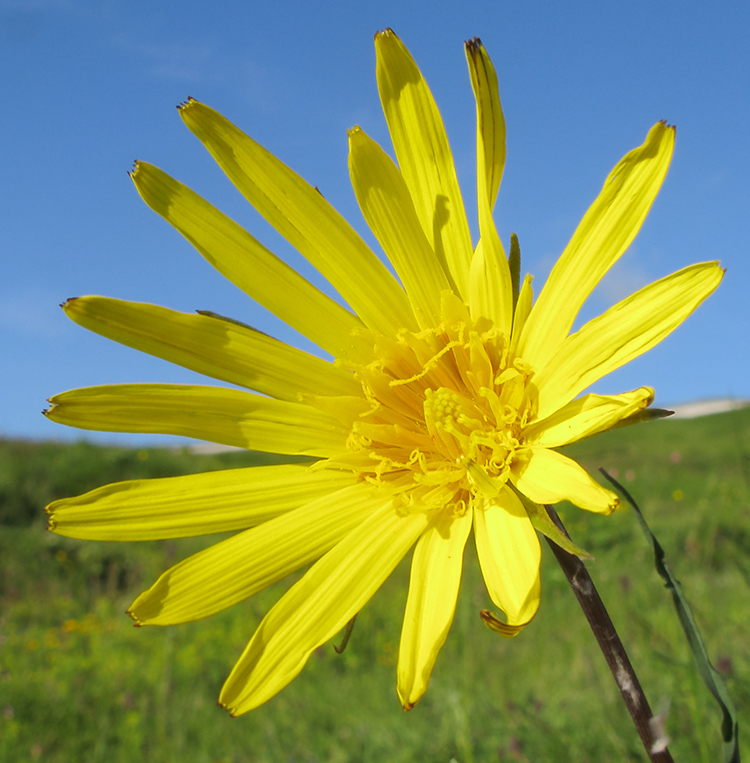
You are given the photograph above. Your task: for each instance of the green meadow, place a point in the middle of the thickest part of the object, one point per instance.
(79, 683)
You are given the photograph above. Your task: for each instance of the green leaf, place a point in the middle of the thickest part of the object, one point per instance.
(729, 725)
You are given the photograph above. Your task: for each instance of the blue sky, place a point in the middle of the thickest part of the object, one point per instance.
(90, 86)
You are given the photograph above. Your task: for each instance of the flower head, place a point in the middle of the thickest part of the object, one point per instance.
(450, 390)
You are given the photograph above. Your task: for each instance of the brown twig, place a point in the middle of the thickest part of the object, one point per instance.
(611, 646)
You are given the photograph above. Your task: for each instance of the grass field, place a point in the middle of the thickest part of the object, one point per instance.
(79, 683)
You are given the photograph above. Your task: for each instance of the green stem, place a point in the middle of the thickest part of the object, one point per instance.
(610, 644)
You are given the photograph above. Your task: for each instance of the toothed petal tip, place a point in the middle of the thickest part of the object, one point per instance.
(186, 104)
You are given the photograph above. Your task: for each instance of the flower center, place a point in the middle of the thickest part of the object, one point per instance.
(465, 431)
(448, 407)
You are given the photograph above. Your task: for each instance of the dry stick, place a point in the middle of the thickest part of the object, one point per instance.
(610, 644)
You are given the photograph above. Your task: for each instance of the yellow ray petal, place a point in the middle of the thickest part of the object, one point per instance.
(238, 567)
(248, 264)
(521, 313)
(490, 121)
(586, 416)
(318, 606)
(433, 589)
(388, 208)
(424, 156)
(549, 477)
(625, 331)
(196, 504)
(490, 291)
(226, 416)
(301, 214)
(219, 348)
(490, 288)
(509, 555)
(606, 231)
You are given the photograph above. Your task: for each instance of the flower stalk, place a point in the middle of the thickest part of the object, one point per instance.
(612, 648)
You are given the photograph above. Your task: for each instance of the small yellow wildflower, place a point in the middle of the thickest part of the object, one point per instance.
(450, 390)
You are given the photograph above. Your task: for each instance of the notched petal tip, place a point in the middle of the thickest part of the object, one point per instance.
(387, 32)
(186, 104)
(408, 706)
(665, 124)
(136, 166)
(68, 302)
(494, 623)
(474, 46)
(51, 521)
(226, 707)
(136, 622)
(613, 506)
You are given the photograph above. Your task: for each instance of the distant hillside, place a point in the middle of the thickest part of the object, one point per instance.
(32, 474)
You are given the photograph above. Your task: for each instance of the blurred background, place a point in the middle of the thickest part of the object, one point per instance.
(90, 85)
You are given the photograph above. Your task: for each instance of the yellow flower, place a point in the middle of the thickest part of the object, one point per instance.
(448, 395)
